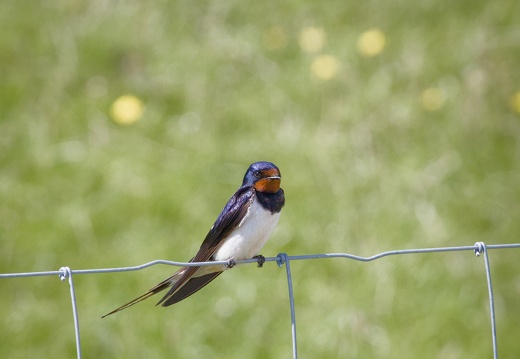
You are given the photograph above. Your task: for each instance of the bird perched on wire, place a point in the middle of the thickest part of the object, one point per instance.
(240, 231)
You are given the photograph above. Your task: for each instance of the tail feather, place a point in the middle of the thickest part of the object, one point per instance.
(158, 288)
(129, 304)
(183, 284)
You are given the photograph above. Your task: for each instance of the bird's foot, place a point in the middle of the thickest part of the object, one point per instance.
(231, 263)
(260, 260)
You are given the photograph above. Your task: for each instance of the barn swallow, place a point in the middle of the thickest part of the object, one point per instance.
(240, 232)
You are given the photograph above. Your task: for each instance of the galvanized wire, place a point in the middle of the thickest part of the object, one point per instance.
(284, 259)
(482, 249)
(65, 273)
(478, 248)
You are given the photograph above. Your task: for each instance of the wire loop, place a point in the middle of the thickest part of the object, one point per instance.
(281, 258)
(480, 247)
(65, 273)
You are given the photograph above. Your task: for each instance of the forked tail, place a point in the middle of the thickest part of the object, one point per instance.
(158, 288)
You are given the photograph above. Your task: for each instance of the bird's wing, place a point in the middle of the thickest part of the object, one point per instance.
(229, 219)
(192, 285)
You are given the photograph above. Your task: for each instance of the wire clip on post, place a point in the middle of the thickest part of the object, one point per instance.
(66, 272)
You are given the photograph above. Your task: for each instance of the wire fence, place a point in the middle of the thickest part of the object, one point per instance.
(479, 248)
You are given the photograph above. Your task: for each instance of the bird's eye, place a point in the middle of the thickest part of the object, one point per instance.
(257, 174)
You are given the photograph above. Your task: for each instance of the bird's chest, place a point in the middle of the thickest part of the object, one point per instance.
(250, 236)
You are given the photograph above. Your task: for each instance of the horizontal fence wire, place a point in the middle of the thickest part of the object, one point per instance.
(479, 248)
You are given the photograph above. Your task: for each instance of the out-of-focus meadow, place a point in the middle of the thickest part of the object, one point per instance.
(126, 126)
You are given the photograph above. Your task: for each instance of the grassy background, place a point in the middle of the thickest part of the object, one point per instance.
(416, 146)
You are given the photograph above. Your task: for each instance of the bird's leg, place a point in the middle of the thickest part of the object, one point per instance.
(231, 263)
(260, 260)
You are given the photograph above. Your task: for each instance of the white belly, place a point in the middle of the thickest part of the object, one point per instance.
(248, 239)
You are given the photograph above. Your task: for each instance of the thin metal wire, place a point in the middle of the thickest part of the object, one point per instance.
(65, 273)
(283, 258)
(267, 259)
(481, 248)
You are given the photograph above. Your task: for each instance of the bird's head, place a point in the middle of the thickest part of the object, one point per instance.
(263, 176)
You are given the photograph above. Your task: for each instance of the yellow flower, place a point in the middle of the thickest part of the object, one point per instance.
(312, 39)
(371, 42)
(325, 67)
(126, 109)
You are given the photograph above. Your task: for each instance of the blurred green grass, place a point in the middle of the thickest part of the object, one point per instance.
(367, 167)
